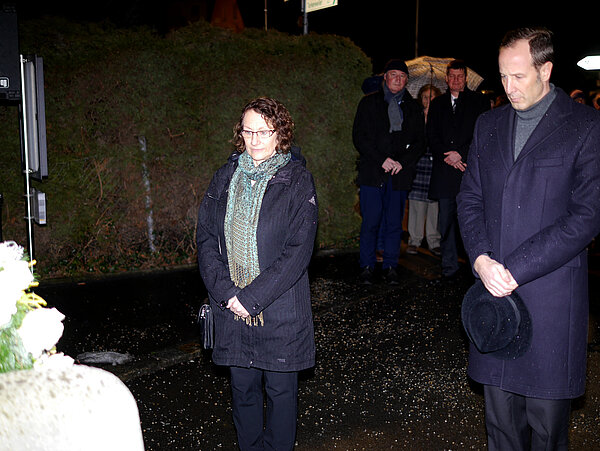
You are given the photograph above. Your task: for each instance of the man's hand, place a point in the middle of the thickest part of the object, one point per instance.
(497, 279)
(392, 166)
(236, 307)
(454, 159)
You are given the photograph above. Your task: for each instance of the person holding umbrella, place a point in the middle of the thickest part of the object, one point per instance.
(422, 211)
(450, 124)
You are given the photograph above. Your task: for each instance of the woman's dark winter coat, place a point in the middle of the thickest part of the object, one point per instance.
(285, 236)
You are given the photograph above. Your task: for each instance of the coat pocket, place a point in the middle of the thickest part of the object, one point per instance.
(548, 162)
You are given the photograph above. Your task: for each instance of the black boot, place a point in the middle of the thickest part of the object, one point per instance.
(366, 276)
(391, 276)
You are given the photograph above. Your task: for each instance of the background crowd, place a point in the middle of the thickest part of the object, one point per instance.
(517, 190)
(435, 173)
(420, 157)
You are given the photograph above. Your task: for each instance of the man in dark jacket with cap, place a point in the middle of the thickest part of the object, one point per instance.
(389, 135)
(528, 207)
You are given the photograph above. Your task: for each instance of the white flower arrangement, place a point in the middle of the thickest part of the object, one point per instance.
(28, 331)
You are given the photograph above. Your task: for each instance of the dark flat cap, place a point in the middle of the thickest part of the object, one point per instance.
(396, 65)
(499, 327)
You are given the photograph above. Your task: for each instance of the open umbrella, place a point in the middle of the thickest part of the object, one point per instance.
(429, 70)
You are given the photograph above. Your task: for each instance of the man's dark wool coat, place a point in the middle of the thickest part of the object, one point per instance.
(374, 142)
(448, 130)
(537, 215)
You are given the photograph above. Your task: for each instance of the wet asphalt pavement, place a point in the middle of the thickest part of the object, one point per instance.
(391, 360)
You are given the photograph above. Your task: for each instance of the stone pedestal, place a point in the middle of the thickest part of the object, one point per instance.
(76, 408)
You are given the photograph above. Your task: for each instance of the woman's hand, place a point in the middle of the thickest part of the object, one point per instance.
(236, 307)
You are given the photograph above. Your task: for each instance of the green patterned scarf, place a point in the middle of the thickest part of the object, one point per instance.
(241, 218)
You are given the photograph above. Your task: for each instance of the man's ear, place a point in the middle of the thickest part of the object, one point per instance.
(546, 70)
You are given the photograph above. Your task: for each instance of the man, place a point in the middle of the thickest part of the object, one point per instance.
(450, 124)
(528, 207)
(389, 135)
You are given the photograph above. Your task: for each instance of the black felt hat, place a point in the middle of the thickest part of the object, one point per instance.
(499, 327)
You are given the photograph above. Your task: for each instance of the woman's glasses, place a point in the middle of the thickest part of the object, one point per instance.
(262, 134)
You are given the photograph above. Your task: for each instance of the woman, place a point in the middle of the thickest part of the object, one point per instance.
(256, 228)
(422, 211)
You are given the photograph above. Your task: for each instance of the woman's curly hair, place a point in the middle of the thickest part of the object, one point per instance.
(275, 115)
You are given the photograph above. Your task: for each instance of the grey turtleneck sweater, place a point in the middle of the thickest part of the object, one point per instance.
(527, 120)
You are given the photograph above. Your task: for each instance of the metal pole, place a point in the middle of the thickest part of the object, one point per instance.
(29, 216)
(266, 15)
(1, 204)
(417, 31)
(305, 17)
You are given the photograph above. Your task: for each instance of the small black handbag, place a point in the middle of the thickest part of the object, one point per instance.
(206, 326)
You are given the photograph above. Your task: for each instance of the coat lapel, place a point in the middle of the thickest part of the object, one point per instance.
(505, 128)
(549, 125)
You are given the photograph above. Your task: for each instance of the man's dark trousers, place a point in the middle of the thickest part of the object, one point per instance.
(379, 204)
(536, 424)
(449, 241)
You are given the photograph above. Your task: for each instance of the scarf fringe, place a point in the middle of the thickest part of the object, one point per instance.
(257, 320)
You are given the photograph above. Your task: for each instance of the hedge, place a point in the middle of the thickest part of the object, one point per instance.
(106, 88)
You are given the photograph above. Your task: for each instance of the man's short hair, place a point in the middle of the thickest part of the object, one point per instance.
(541, 48)
(456, 65)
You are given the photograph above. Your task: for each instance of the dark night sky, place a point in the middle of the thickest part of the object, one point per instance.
(466, 29)
(470, 30)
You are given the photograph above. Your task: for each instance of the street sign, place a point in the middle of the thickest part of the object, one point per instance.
(314, 5)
